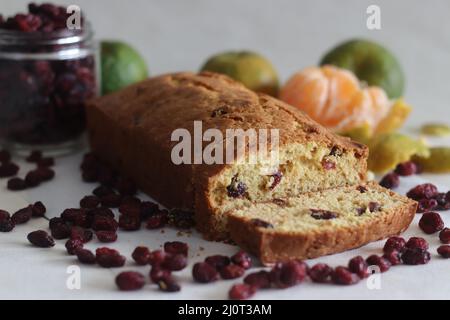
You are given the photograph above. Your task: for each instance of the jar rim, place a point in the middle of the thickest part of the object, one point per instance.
(59, 37)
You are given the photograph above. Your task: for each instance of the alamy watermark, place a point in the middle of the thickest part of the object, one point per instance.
(73, 22)
(241, 146)
(373, 21)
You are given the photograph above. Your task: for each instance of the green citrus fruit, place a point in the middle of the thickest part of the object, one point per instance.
(371, 63)
(249, 68)
(121, 65)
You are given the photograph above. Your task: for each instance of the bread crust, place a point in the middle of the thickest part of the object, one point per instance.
(272, 246)
(131, 130)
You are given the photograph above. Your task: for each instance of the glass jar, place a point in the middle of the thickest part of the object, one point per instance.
(45, 80)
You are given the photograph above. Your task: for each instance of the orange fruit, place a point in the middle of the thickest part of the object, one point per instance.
(334, 98)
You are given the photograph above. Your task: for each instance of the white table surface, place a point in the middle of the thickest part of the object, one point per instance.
(179, 35)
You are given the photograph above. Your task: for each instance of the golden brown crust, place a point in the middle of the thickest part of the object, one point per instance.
(131, 130)
(272, 246)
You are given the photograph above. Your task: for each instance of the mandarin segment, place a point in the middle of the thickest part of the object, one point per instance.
(334, 97)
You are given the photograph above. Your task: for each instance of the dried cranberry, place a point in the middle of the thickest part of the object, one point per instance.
(109, 258)
(157, 221)
(417, 242)
(182, 219)
(241, 292)
(328, 164)
(426, 205)
(130, 208)
(174, 262)
(23, 215)
(34, 156)
(374, 206)
(5, 156)
(394, 243)
(260, 279)
(414, 256)
(276, 179)
(423, 191)
(41, 239)
(156, 257)
(320, 273)
(70, 214)
(89, 202)
(102, 191)
(111, 200)
(288, 274)
(130, 280)
(32, 179)
(343, 276)
(442, 202)
(393, 257)
(320, 214)
(236, 188)
(60, 231)
(126, 187)
(361, 189)
(106, 236)
(382, 263)
(85, 235)
(444, 235)
(6, 225)
(242, 259)
(16, 184)
(204, 272)
(102, 212)
(157, 273)
(101, 223)
(231, 271)
(8, 169)
(72, 245)
(24, 22)
(85, 256)
(431, 222)
(359, 266)
(390, 181)
(53, 222)
(38, 209)
(141, 255)
(444, 251)
(148, 208)
(406, 168)
(4, 215)
(176, 247)
(45, 173)
(129, 222)
(261, 223)
(168, 284)
(218, 261)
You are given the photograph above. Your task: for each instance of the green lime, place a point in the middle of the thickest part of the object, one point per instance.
(121, 65)
(371, 63)
(249, 68)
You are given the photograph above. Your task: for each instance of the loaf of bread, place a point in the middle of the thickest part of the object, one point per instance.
(131, 130)
(320, 223)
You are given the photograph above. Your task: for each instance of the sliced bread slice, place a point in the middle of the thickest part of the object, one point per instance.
(321, 223)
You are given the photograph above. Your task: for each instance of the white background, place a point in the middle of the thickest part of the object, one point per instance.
(180, 35)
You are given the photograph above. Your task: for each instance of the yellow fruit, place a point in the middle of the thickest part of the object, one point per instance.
(437, 162)
(388, 150)
(361, 134)
(436, 129)
(394, 120)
